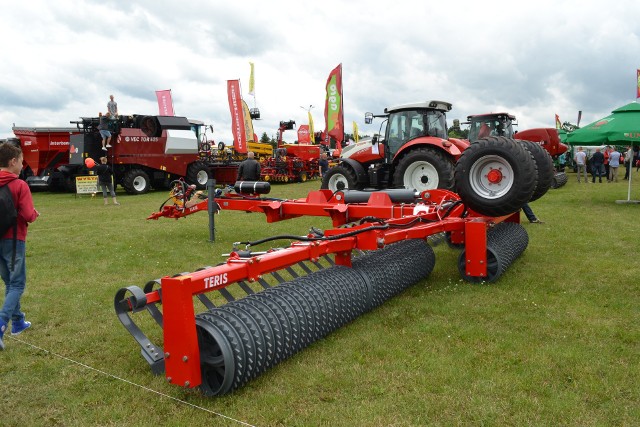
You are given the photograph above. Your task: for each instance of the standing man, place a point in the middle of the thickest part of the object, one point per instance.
(614, 163)
(581, 161)
(112, 108)
(12, 244)
(324, 164)
(249, 170)
(628, 158)
(597, 165)
(606, 153)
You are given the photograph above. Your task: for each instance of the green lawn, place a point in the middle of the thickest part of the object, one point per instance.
(554, 342)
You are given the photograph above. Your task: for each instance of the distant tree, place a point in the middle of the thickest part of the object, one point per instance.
(456, 132)
(265, 138)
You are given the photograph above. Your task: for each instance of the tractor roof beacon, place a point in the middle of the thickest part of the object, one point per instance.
(415, 152)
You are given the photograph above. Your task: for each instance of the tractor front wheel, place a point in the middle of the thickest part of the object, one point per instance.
(136, 181)
(339, 178)
(495, 176)
(424, 169)
(198, 174)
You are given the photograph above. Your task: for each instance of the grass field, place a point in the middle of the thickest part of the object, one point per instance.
(554, 342)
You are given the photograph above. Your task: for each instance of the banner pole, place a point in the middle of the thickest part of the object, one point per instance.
(211, 191)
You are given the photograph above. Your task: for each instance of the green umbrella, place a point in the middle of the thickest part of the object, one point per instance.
(622, 127)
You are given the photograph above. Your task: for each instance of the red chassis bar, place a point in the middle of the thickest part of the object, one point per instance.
(441, 211)
(317, 203)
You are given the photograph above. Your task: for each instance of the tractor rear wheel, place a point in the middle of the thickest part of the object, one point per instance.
(495, 176)
(544, 162)
(424, 169)
(136, 181)
(339, 178)
(198, 174)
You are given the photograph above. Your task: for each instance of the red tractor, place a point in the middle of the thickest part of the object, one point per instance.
(501, 124)
(414, 153)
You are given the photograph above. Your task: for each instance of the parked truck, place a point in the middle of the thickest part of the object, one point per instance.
(46, 152)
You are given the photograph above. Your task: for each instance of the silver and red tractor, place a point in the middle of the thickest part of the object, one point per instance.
(415, 152)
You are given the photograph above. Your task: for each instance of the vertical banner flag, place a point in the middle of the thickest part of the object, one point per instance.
(252, 81)
(303, 135)
(333, 114)
(638, 83)
(355, 132)
(165, 103)
(558, 124)
(237, 116)
(312, 134)
(248, 123)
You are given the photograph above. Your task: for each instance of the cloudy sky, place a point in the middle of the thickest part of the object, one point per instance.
(62, 59)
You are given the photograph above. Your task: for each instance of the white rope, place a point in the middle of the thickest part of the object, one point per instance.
(132, 383)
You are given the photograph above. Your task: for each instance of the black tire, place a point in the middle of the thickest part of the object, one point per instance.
(149, 126)
(136, 181)
(502, 192)
(198, 173)
(559, 180)
(339, 178)
(544, 163)
(69, 184)
(424, 169)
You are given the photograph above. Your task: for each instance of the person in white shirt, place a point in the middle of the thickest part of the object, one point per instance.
(581, 161)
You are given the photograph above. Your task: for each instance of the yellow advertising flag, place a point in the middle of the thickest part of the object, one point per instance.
(248, 124)
(311, 131)
(355, 132)
(252, 82)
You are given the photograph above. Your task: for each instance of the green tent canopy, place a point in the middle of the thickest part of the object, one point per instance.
(622, 127)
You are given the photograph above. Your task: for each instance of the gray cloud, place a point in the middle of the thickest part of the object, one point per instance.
(532, 59)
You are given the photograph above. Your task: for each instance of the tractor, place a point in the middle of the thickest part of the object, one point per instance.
(415, 153)
(501, 124)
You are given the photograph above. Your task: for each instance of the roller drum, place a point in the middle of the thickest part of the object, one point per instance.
(242, 339)
(505, 243)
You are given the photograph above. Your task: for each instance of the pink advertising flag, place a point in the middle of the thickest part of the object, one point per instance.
(165, 103)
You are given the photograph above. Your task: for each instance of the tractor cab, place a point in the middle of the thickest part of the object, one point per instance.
(410, 121)
(492, 124)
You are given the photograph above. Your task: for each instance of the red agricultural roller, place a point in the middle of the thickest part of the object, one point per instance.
(224, 325)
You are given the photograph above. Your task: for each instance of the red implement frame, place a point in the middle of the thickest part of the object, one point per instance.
(439, 211)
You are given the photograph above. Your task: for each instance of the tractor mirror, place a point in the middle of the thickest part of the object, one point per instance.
(368, 118)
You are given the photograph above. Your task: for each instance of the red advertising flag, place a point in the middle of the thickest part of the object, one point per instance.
(237, 116)
(558, 124)
(165, 103)
(304, 136)
(333, 113)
